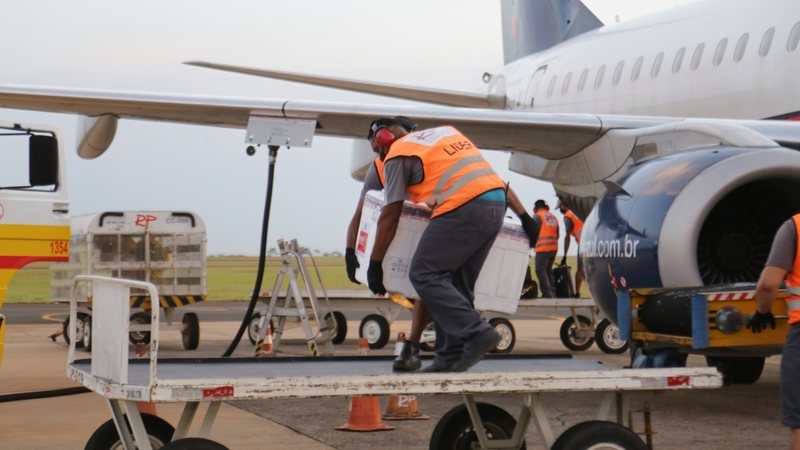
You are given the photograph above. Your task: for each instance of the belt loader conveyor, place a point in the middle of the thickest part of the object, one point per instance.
(123, 383)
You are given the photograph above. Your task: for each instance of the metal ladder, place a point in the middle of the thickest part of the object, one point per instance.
(319, 334)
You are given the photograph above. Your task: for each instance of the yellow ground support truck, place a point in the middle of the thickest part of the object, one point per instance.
(34, 210)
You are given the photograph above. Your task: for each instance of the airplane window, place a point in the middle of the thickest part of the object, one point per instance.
(637, 68)
(582, 79)
(766, 42)
(598, 80)
(697, 55)
(618, 72)
(741, 46)
(565, 86)
(657, 64)
(720, 52)
(794, 38)
(676, 64)
(552, 85)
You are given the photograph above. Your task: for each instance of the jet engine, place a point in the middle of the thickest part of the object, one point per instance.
(705, 216)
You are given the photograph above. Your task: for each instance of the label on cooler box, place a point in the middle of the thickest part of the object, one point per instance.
(499, 284)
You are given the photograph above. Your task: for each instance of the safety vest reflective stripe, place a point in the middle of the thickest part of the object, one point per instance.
(548, 233)
(454, 170)
(793, 280)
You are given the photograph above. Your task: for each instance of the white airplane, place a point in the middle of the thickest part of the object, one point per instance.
(652, 129)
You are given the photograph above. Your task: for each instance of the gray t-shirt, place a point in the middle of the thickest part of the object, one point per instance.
(401, 172)
(371, 181)
(784, 247)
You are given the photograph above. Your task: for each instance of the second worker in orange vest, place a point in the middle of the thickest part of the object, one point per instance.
(546, 247)
(443, 169)
(573, 225)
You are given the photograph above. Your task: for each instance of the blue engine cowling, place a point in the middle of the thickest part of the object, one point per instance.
(695, 218)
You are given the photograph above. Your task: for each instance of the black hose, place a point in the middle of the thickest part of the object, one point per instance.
(262, 257)
(42, 394)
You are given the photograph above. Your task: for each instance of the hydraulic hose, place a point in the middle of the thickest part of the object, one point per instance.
(262, 257)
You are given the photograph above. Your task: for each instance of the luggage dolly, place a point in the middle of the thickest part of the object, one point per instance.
(578, 332)
(321, 335)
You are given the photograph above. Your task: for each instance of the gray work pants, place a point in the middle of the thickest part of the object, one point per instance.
(445, 267)
(544, 272)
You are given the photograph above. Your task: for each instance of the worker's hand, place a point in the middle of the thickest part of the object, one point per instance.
(351, 261)
(564, 260)
(531, 228)
(375, 277)
(760, 321)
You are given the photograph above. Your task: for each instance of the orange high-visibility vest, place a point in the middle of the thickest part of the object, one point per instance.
(548, 232)
(793, 280)
(577, 225)
(454, 171)
(379, 168)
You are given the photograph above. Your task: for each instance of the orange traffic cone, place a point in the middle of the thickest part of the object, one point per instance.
(266, 347)
(403, 407)
(363, 346)
(365, 412)
(144, 407)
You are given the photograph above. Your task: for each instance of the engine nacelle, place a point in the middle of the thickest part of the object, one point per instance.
(700, 217)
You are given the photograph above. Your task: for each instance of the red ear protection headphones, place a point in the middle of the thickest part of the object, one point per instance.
(384, 137)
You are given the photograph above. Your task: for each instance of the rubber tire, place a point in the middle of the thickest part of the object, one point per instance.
(341, 326)
(140, 337)
(567, 336)
(371, 325)
(746, 370)
(454, 431)
(428, 346)
(106, 437)
(595, 433)
(194, 443)
(506, 330)
(606, 336)
(86, 340)
(190, 335)
(252, 328)
(65, 329)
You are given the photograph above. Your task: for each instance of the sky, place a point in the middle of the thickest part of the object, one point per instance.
(139, 47)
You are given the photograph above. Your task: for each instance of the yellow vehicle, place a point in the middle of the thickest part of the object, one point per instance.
(34, 211)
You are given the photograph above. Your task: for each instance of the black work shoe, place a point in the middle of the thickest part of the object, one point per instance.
(437, 366)
(473, 352)
(408, 359)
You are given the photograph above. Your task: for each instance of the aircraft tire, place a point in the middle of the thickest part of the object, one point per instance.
(194, 443)
(507, 334)
(598, 434)
(455, 430)
(607, 338)
(106, 437)
(569, 337)
(375, 328)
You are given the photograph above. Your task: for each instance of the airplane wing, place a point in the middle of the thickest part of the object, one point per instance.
(544, 135)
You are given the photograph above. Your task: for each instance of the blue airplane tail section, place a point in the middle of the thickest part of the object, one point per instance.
(530, 26)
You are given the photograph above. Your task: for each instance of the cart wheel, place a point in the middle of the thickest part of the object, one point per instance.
(507, 335)
(106, 437)
(572, 337)
(86, 339)
(428, 339)
(79, 342)
(596, 434)
(607, 338)
(194, 443)
(739, 370)
(191, 331)
(375, 328)
(140, 337)
(340, 321)
(252, 330)
(455, 430)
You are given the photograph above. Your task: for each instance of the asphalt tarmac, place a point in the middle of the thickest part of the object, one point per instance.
(734, 417)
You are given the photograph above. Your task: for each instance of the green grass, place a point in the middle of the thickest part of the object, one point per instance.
(228, 278)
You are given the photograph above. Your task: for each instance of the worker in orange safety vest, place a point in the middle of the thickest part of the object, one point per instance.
(573, 226)
(546, 247)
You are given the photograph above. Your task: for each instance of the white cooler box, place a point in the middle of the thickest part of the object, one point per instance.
(499, 284)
